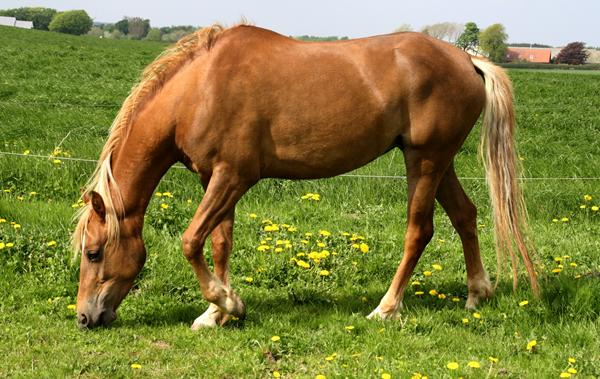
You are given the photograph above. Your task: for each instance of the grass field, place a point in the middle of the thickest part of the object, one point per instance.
(58, 96)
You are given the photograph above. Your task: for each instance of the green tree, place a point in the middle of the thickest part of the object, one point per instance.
(123, 26)
(493, 42)
(71, 22)
(41, 17)
(469, 38)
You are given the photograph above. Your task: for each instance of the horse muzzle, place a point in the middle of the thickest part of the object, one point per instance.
(95, 317)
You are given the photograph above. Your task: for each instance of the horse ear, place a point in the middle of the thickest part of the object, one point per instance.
(98, 204)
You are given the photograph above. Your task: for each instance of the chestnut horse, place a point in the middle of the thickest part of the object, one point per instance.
(240, 104)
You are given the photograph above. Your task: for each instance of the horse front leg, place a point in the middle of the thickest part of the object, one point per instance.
(223, 191)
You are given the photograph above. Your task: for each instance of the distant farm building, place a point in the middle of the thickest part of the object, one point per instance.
(11, 21)
(528, 55)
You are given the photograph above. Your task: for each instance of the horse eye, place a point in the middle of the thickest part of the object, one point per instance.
(93, 255)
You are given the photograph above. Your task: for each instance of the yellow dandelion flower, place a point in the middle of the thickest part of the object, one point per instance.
(324, 233)
(477, 315)
(2, 220)
(71, 307)
(437, 267)
(557, 259)
(275, 338)
(321, 244)
(565, 375)
(587, 197)
(595, 208)
(523, 303)
(57, 162)
(271, 228)
(330, 358)
(531, 345)
(433, 292)
(573, 264)
(136, 366)
(302, 263)
(10, 244)
(278, 249)
(355, 246)
(456, 299)
(158, 194)
(419, 293)
(493, 359)
(349, 327)
(415, 283)
(554, 220)
(319, 376)
(249, 279)
(27, 152)
(452, 365)
(556, 271)
(164, 206)
(364, 248)
(254, 215)
(465, 321)
(324, 273)
(441, 296)
(385, 375)
(51, 243)
(2, 245)
(16, 226)
(189, 201)
(474, 364)
(571, 360)
(564, 219)
(263, 248)
(571, 370)
(427, 273)
(292, 229)
(276, 374)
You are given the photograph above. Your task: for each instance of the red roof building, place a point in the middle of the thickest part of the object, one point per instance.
(528, 55)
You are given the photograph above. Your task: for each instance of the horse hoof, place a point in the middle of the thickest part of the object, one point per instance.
(378, 314)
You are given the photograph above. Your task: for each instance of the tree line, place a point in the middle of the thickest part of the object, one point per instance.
(491, 42)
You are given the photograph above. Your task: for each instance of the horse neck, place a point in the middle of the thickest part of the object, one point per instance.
(138, 164)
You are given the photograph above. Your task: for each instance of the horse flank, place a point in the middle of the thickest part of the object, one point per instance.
(154, 76)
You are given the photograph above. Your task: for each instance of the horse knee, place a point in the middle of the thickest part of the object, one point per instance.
(192, 246)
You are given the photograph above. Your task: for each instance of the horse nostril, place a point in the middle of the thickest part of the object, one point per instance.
(82, 320)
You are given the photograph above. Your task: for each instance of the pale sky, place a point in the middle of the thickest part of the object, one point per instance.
(553, 22)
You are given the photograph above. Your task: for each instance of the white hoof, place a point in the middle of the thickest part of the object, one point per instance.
(211, 318)
(379, 314)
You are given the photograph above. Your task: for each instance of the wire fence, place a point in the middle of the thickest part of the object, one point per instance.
(361, 176)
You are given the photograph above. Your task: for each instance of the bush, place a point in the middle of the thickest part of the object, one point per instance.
(41, 17)
(71, 22)
(154, 35)
(96, 32)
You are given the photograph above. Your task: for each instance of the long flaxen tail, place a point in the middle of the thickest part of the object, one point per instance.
(499, 155)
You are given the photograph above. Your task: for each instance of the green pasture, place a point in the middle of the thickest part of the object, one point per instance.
(58, 96)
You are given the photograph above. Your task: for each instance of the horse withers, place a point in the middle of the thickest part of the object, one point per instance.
(240, 104)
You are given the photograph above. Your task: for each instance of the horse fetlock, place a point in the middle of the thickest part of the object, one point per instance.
(233, 305)
(479, 289)
(386, 312)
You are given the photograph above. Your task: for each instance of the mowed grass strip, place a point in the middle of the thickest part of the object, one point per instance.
(58, 96)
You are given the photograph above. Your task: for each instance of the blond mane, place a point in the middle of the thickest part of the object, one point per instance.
(154, 77)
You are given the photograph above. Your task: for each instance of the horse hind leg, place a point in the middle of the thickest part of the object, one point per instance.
(463, 215)
(423, 176)
(222, 193)
(221, 242)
